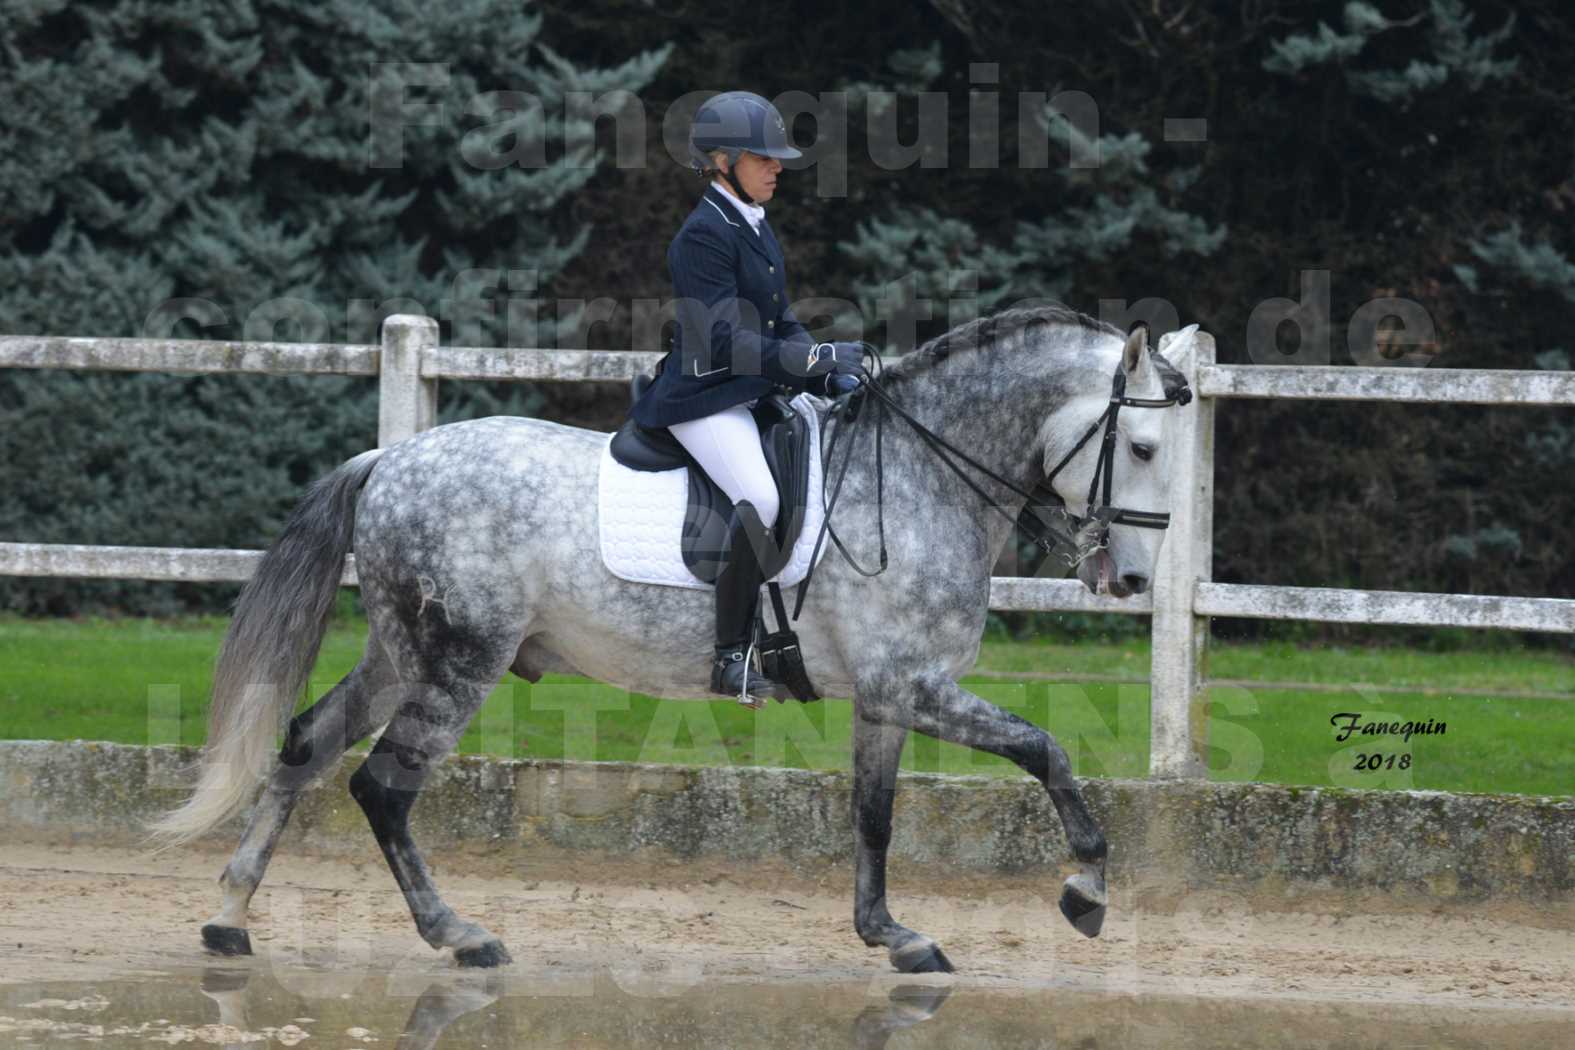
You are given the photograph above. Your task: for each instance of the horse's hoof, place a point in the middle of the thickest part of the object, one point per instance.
(483, 956)
(226, 940)
(1086, 916)
(921, 956)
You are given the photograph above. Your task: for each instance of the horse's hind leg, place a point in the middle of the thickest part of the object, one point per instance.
(315, 740)
(427, 726)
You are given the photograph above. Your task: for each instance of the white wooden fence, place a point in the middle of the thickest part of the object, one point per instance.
(409, 363)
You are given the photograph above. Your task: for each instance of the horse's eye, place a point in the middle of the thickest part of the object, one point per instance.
(1143, 452)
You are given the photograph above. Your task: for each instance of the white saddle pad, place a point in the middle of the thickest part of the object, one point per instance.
(641, 519)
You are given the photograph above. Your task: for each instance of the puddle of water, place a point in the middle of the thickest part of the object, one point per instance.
(237, 1006)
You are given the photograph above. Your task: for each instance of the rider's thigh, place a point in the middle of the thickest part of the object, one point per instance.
(727, 446)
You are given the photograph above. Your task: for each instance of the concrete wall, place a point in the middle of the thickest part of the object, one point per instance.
(1164, 834)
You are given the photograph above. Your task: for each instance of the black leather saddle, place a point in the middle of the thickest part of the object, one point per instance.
(785, 440)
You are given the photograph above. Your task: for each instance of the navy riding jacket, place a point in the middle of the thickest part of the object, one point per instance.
(736, 340)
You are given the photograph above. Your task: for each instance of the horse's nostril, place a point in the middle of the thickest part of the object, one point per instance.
(1134, 583)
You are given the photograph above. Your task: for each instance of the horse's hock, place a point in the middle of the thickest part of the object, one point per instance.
(1168, 836)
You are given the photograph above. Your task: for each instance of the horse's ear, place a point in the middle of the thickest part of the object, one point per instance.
(1134, 356)
(1178, 347)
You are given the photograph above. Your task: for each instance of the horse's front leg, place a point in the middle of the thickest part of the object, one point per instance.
(937, 706)
(877, 748)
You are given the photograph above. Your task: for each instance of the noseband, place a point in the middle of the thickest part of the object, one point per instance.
(1064, 535)
(1084, 535)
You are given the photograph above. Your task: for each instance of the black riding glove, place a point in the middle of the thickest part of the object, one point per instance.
(841, 358)
(835, 368)
(833, 384)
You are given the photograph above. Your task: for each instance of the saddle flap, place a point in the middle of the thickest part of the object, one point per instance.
(641, 514)
(785, 443)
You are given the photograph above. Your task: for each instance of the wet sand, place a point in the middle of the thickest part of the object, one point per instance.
(619, 952)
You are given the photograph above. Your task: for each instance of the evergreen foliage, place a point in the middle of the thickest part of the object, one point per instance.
(1450, 50)
(1301, 51)
(1111, 207)
(1417, 149)
(214, 169)
(912, 70)
(1538, 264)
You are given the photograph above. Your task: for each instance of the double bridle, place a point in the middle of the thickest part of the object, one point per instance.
(1096, 523)
(1066, 535)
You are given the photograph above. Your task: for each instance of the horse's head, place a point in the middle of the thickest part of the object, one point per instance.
(1139, 468)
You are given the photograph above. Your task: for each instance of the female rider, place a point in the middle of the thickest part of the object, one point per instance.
(736, 341)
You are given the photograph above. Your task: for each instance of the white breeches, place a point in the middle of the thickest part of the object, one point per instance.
(727, 445)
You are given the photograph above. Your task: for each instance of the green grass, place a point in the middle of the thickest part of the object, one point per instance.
(1487, 671)
(143, 681)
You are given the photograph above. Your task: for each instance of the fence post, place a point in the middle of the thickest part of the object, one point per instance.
(1178, 740)
(406, 403)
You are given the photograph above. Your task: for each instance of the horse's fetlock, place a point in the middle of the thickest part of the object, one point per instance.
(870, 933)
(436, 926)
(1089, 848)
(873, 924)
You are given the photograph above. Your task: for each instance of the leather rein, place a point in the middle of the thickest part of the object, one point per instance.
(1074, 541)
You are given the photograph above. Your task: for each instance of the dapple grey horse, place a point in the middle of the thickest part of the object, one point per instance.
(476, 546)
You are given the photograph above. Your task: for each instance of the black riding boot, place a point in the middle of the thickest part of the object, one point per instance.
(737, 595)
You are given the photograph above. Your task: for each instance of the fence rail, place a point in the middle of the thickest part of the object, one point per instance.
(187, 355)
(408, 363)
(184, 564)
(1453, 386)
(1395, 608)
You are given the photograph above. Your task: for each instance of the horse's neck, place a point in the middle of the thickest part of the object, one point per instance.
(992, 414)
(993, 420)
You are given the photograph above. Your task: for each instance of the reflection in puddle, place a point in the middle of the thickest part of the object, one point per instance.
(907, 1006)
(109, 1016)
(443, 1003)
(256, 1006)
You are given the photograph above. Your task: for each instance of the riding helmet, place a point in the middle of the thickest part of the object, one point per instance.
(736, 122)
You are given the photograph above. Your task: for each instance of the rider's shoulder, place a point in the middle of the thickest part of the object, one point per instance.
(703, 226)
(712, 210)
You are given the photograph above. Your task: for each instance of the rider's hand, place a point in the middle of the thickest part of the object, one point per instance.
(841, 358)
(839, 383)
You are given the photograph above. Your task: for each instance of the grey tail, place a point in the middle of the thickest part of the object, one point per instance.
(273, 640)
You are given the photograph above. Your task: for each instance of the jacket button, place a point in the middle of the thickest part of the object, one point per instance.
(775, 297)
(771, 324)
(771, 269)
